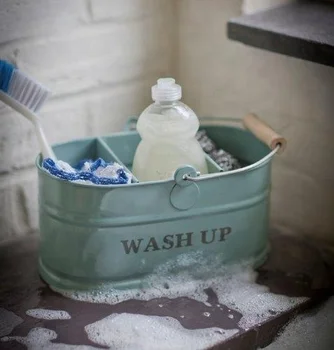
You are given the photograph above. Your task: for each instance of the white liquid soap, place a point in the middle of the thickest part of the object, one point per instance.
(167, 128)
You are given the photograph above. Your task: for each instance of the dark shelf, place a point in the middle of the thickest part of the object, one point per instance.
(304, 29)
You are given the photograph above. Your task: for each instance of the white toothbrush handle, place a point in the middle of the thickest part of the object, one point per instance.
(46, 149)
(44, 145)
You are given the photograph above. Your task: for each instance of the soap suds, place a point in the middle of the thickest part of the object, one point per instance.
(186, 276)
(40, 338)
(311, 331)
(130, 332)
(8, 321)
(238, 291)
(133, 332)
(48, 314)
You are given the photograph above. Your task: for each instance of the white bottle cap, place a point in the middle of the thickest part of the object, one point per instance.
(166, 90)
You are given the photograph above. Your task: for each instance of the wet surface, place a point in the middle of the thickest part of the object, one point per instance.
(295, 268)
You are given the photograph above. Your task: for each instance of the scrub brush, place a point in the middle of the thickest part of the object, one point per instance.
(26, 96)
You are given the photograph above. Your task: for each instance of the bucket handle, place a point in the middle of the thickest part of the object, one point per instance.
(256, 126)
(264, 132)
(260, 130)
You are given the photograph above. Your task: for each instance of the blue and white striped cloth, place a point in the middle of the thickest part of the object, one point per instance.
(96, 172)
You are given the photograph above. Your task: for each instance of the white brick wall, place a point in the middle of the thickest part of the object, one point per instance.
(225, 78)
(39, 19)
(99, 58)
(18, 203)
(102, 10)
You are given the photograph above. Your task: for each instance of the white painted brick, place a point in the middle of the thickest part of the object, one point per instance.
(82, 60)
(25, 18)
(17, 142)
(29, 193)
(65, 120)
(126, 9)
(91, 57)
(110, 110)
(61, 121)
(18, 202)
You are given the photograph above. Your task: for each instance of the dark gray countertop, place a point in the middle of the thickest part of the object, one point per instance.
(295, 268)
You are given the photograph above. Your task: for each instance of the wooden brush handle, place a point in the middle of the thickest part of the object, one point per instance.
(264, 132)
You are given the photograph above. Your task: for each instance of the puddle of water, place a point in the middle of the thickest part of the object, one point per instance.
(8, 321)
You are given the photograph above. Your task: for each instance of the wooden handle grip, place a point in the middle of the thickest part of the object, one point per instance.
(264, 132)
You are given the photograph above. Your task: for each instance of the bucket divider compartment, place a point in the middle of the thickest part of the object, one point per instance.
(213, 167)
(73, 152)
(104, 147)
(123, 146)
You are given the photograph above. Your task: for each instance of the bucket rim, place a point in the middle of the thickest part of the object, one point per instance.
(247, 168)
(205, 121)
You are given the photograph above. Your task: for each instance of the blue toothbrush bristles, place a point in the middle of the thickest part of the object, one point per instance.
(21, 87)
(6, 72)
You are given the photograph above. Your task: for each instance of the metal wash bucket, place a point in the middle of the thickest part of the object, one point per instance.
(93, 234)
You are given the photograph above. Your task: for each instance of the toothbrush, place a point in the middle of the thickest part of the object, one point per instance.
(25, 96)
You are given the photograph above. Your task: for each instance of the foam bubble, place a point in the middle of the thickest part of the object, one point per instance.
(40, 338)
(48, 314)
(8, 321)
(187, 276)
(309, 331)
(131, 331)
(239, 291)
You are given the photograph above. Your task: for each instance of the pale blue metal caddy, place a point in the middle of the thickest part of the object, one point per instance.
(94, 234)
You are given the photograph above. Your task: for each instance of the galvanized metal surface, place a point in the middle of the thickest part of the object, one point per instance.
(92, 234)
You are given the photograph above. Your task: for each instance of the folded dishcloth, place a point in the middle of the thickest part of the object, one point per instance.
(96, 172)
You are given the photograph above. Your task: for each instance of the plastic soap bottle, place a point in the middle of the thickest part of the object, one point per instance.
(167, 128)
